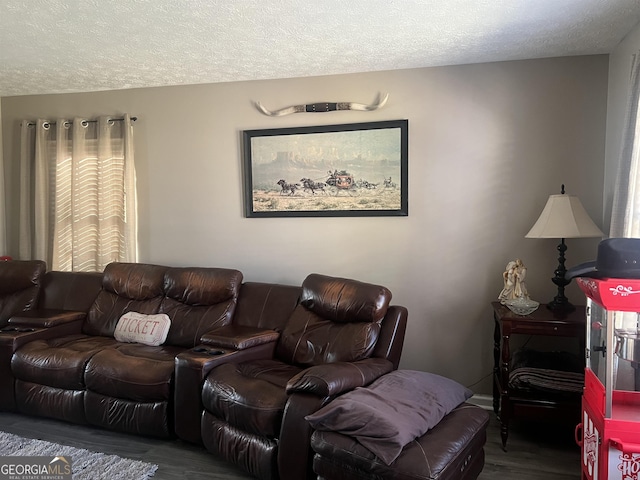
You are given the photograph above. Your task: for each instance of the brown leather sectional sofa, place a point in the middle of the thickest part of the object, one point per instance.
(241, 367)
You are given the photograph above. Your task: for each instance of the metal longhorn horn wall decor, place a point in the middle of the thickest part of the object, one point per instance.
(325, 107)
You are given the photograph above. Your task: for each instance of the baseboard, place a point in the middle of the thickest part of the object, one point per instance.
(483, 401)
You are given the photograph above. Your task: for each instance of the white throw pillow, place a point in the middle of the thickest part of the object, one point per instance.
(140, 328)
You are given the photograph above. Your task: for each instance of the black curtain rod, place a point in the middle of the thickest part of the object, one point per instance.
(133, 119)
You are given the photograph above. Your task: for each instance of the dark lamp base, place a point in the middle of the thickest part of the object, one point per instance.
(561, 305)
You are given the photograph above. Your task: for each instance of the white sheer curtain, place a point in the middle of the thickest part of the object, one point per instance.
(625, 215)
(77, 193)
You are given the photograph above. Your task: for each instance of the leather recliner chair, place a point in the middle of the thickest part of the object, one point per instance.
(342, 334)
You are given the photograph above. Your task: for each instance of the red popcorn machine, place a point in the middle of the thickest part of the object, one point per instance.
(609, 434)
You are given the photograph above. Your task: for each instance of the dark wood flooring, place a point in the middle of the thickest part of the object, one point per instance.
(535, 451)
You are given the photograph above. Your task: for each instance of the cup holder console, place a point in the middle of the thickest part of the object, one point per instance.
(16, 329)
(208, 351)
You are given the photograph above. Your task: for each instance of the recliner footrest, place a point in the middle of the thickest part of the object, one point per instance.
(453, 449)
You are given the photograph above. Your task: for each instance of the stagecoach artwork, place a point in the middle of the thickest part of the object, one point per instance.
(336, 182)
(327, 170)
(341, 180)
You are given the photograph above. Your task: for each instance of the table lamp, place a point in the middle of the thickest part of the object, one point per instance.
(563, 217)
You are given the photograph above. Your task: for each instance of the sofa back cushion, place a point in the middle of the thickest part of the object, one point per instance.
(70, 290)
(20, 283)
(126, 287)
(337, 320)
(198, 300)
(266, 305)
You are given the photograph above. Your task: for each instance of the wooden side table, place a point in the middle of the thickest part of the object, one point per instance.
(509, 403)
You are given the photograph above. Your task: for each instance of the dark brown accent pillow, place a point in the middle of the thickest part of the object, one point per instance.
(391, 412)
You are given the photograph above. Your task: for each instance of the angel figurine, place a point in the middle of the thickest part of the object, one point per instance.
(513, 278)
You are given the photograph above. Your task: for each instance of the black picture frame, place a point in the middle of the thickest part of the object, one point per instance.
(346, 170)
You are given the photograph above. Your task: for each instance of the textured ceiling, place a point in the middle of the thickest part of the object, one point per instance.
(55, 46)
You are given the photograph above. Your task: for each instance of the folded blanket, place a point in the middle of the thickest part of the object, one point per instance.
(546, 380)
(560, 372)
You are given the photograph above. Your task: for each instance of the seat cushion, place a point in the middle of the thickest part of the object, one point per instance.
(134, 372)
(453, 449)
(250, 396)
(58, 362)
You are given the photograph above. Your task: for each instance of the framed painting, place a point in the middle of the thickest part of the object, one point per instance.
(357, 169)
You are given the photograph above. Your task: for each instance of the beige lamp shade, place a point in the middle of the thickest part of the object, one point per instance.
(564, 217)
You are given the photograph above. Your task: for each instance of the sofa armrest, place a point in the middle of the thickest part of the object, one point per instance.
(308, 391)
(238, 337)
(46, 318)
(191, 368)
(335, 378)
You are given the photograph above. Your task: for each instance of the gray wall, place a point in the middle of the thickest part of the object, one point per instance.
(487, 144)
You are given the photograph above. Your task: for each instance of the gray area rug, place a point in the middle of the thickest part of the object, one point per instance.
(86, 465)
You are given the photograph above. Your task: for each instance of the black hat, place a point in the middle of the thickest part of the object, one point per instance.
(617, 258)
